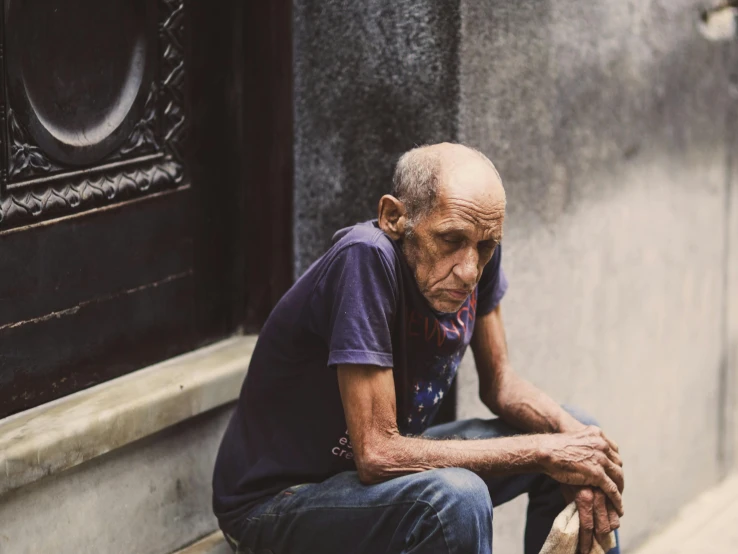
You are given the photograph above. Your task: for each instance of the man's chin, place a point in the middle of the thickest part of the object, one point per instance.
(447, 306)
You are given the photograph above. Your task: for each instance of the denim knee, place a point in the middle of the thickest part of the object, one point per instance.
(455, 488)
(581, 416)
(460, 503)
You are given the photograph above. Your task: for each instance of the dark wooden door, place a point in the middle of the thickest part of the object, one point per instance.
(129, 186)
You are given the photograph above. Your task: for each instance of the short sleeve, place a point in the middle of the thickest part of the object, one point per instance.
(492, 285)
(354, 307)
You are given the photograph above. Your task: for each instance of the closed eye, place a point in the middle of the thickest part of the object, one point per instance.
(452, 239)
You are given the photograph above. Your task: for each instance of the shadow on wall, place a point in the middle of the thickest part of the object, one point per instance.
(370, 83)
(352, 167)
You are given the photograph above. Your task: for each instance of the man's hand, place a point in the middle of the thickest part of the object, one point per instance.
(596, 514)
(585, 458)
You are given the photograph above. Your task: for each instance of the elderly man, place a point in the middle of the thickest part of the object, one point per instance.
(330, 448)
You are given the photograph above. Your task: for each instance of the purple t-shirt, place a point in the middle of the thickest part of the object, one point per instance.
(357, 304)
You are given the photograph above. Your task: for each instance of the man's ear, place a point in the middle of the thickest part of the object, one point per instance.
(392, 216)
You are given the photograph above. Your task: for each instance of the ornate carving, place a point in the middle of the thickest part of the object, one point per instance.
(161, 130)
(28, 203)
(26, 159)
(142, 139)
(173, 113)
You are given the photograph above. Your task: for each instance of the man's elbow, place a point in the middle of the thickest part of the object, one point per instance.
(491, 399)
(376, 463)
(372, 468)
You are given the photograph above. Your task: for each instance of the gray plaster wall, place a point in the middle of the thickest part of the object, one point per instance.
(731, 283)
(150, 497)
(609, 122)
(612, 124)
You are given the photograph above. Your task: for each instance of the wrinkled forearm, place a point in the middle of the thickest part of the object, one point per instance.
(527, 407)
(396, 455)
(381, 452)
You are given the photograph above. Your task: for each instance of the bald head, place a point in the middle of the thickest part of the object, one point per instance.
(447, 210)
(424, 173)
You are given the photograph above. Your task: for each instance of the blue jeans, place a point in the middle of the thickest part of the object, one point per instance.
(438, 511)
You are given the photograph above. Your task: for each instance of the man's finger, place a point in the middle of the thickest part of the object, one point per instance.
(586, 537)
(615, 473)
(601, 517)
(609, 487)
(614, 518)
(584, 501)
(615, 457)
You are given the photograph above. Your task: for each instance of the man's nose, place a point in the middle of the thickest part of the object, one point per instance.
(466, 268)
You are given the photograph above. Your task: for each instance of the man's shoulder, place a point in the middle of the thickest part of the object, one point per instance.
(365, 236)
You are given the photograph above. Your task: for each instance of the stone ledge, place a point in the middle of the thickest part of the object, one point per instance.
(71, 430)
(212, 544)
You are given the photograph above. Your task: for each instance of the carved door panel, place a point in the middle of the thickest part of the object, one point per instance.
(117, 236)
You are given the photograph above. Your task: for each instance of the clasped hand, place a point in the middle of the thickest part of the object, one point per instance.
(588, 465)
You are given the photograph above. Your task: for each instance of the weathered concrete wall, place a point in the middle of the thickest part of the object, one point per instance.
(607, 121)
(609, 124)
(731, 253)
(150, 497)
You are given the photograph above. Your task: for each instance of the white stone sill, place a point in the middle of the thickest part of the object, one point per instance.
(71, 430)
(212, 544)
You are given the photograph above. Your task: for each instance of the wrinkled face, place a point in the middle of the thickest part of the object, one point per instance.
(448, 248)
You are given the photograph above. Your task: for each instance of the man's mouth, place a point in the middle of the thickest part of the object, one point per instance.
(457, 294)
